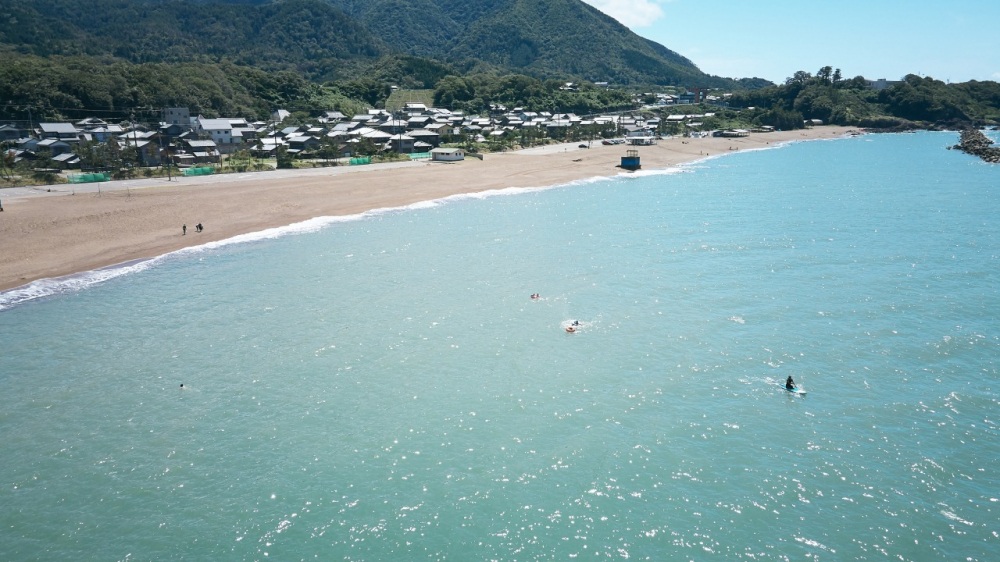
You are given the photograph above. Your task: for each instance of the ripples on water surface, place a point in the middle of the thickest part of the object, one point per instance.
(384, 389)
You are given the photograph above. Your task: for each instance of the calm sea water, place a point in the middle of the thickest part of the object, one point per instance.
(383, 388)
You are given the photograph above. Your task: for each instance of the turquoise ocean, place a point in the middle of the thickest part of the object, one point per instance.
(381, 387)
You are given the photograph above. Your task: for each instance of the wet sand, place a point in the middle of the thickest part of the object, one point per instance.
(65, 229)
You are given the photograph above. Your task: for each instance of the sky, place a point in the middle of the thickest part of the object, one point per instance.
(951, 40)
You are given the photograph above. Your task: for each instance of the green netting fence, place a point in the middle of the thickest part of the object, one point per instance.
(420, 155)
(199, 171)
(89, 178)
(361, 160)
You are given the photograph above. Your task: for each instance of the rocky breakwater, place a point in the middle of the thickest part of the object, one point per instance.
(973, 141)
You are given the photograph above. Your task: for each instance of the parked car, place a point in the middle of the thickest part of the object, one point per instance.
(583, 146)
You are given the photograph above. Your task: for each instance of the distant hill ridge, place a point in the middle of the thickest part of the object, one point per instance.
(330, 39)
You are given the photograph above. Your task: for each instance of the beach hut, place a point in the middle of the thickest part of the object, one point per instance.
(631, 160)
(447, 154)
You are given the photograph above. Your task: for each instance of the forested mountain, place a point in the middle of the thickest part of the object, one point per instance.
(337, 39)
(547, 38)
(310, 36)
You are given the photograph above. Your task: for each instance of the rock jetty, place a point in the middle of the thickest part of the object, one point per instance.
(974, 142)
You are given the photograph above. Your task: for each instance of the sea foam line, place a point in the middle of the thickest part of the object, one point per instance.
(79, 281)
(74, 282)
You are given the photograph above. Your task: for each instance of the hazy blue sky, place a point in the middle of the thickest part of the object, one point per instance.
(951, 40)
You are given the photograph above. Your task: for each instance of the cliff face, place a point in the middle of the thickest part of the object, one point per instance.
(973, 141)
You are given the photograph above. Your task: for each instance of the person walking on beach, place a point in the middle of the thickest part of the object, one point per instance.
(184, 229)
(198, 227)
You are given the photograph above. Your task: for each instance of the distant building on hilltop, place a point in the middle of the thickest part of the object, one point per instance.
(881, 84)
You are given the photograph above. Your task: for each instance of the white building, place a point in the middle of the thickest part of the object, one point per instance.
(447, 155)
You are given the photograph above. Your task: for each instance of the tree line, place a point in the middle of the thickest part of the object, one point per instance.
(914, 102)
(72, 88)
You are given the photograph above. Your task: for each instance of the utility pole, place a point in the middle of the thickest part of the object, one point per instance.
(135, 147)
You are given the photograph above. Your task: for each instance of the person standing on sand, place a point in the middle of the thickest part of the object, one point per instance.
(184, 229)
(198, 227)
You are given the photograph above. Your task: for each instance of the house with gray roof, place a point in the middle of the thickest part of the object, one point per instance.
(331, 117)
(54, 146)
(403, 144)
(63, 131)
(219, 130)
(394, 126)
(67, 161)
(202, 151)
(11, 132)
(430, 138)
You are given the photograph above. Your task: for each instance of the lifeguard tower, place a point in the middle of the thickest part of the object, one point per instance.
(631, 161)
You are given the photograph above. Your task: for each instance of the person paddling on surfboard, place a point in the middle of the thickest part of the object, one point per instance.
(790, 384)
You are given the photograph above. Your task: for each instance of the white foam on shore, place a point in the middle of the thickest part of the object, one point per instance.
(655, 172)
(79, 281)
(82, 280)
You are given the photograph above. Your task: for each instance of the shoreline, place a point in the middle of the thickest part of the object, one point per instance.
(66, 230)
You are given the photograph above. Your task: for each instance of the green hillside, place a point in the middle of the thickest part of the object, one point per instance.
(338, 39)
(400, 98)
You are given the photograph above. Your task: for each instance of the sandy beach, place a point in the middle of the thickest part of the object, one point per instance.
(64, 229)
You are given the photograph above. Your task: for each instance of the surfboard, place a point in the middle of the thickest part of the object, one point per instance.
(796, 390)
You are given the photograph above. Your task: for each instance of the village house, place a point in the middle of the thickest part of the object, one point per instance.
(61, 131)
(331, 117)
(66, 161)
(20, 155)
(11, 133)
(243, 131)
(200, 152)
(302, 143)
(54, 146)
(176, 116)
(267, 147)
(379, 138)
(393, 126)
(731, 133)
(147, 150)
(402, 144)
(90, 123)
(172, 130)
(640, 136)
(219, 130)
(419, 121)
(430, 138)
(102, 134)
(447, 155)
